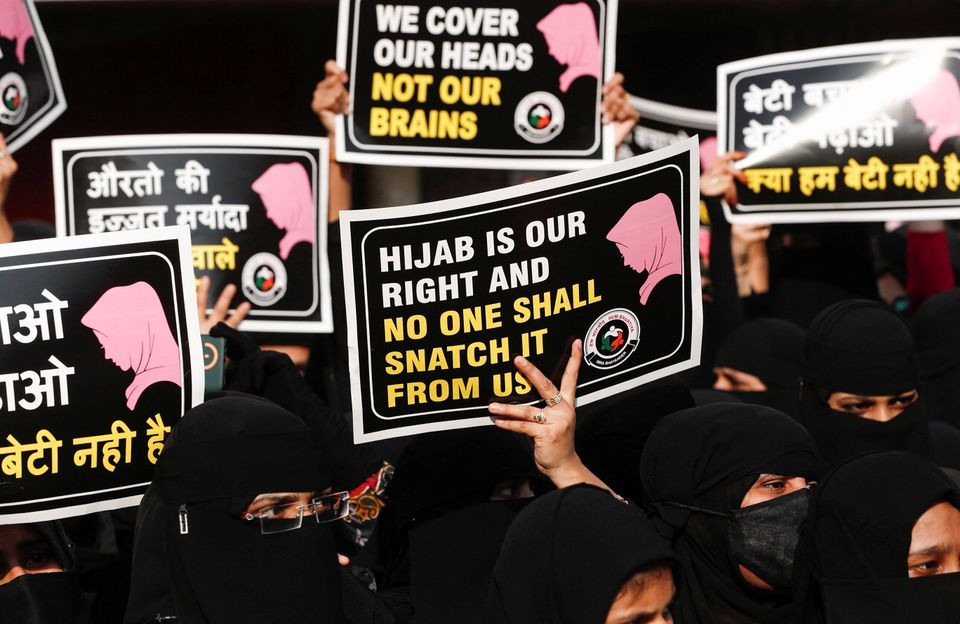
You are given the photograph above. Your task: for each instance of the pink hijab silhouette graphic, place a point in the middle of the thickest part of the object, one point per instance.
(15, 25)
(649, 238)
(938, 105)
(132, 328)
(571, 34)
(285, 191)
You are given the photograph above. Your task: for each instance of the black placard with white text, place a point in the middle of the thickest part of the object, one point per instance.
(441, 296)
(863, 132)
(99, 358)
(256, 206)
(31, 96)
(508, 85)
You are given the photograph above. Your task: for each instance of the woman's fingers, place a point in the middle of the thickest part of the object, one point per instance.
(239, 314)
(538, 380)
(222, 307)
(568, 383)
(203, 291)
(520, 426)
(506, 410)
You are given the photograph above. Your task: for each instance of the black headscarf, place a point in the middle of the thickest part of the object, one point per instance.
(218, 458)
(567, 555)
(936, 327)
(708, 457)
(50, 597)
(860, 347)
(857, 539)
(611, 439)
(772, 350)
(440, 529)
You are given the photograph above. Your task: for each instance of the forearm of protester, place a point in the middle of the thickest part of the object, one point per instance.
(617, 109)
(221, 309)
(749, 250)
(331, 98)
(928, 261)
(551, 428)
(8, 169)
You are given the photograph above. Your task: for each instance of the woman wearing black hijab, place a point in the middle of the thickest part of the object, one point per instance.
(38, 577)
(730, 480)
(860, 383)
(760, 362)
(452, 499)
(568, 556)
(720, 467)
(882, 542)
(231, 554)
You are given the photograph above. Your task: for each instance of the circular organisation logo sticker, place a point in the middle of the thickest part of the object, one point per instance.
(13, 98)
(611, 339)
(264, 279)
(539, 117)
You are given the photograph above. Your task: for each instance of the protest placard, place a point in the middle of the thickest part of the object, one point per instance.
(863, 132)
(99, 358)
(516, 85)
(662, 124)
(256, 206)
(441, 296)
(31, 96)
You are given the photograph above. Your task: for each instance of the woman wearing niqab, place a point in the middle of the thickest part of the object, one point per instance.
(862, 348)
(772, 351)
(857, 539)
(697, 468)
(221, 567)
(568, 554)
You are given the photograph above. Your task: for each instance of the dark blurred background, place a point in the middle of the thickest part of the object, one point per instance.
(250, 66)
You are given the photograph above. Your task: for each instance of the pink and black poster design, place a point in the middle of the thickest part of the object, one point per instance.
(440, 297)
(509, 85)
(99, 358)
(862, 132)
(31, 96)
(256, 206)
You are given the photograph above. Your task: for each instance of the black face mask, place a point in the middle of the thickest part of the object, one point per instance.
(224, 570)
(48, 598)
(763, 537)
(841, 436)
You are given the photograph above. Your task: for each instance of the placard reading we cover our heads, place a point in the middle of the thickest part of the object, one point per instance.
(865, 132)
(509, 84)
(30, 93)
(256, 206)
(99, 358)
(441, 296)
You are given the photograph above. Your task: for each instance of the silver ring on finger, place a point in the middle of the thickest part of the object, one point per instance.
(539, 418)
(555, 400)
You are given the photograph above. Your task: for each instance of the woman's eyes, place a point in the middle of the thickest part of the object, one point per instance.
(926, 568)
(775, 484)
(904, 401)
(857, 407)
(37, 559)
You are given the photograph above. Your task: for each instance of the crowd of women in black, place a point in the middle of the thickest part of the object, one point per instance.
(805, 472)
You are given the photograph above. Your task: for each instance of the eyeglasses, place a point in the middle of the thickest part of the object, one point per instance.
(289, 517)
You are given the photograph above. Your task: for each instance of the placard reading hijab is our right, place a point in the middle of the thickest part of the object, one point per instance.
(509, 85)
